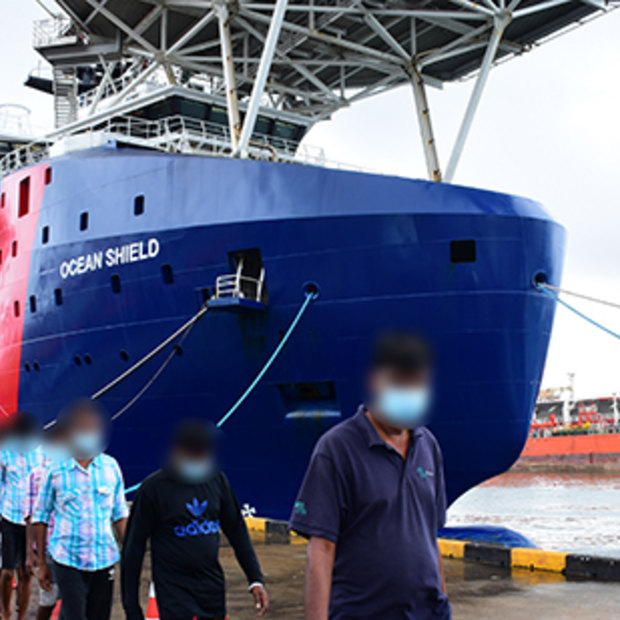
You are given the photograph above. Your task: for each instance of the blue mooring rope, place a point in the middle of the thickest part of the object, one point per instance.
(270, 361)
(310, 296)
(540, 286)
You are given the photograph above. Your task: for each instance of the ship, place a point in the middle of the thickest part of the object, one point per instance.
(173, 233)
(578, 435)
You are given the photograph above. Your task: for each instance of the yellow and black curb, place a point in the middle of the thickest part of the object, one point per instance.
(568, 564)
(571, 565)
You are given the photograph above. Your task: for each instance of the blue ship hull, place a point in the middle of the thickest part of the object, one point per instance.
(377, 247)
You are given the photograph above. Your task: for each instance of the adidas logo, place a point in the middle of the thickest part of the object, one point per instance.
(197, 508)
(197, 529)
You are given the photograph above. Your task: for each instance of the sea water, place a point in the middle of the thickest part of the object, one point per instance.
(577, 513)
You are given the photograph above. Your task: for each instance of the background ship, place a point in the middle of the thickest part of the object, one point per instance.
(572, 433)
(174, 179)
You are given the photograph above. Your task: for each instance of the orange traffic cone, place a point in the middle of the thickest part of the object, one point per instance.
(152, 613)
(56, 612)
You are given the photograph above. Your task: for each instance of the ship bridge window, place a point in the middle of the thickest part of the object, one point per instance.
(84, 220)
(24, 197)
(138, 205)
(463, 251)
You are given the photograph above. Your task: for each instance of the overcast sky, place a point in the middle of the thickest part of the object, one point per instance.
(548, 128)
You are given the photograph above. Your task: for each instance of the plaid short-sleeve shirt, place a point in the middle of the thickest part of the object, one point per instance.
(84, 502)
(15, 470)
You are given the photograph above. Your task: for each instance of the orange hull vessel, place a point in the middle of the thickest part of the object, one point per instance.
(589, 448)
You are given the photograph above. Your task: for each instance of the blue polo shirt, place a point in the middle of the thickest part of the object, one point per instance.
(383, 513)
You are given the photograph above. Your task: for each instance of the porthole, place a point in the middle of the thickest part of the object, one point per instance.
(463, 251)
(24, 197)
(45, 234)
(36, 366)
(58, 297)
(33, 303)
(14, 248)
(2, 200)
(115, 281)
(16, 308)
(88, 359)
(27, 367)
(48, 175)
(78, 360)
(124, 355)
(138, 205)
(84, 221)
(167, 274)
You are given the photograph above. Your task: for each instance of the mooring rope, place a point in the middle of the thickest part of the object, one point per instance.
(550, 291)
(270, 361)
(309, 297)
(597, 300)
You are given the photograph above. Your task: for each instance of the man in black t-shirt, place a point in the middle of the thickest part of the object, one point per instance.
(181, 509)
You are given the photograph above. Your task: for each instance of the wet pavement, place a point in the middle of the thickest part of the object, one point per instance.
(476, 591)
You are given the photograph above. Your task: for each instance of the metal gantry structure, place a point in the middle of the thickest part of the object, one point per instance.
(299, 59)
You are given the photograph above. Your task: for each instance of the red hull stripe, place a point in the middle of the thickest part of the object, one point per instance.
(19, 215)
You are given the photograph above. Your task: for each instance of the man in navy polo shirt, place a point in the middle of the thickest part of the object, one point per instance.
(373, 499)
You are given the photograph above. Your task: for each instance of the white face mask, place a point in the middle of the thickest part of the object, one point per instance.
(404, 407)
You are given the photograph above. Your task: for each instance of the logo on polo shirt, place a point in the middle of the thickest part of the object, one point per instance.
(300, 508)
(197, 528)
(424, 473)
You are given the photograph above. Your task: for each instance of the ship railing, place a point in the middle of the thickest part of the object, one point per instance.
(175, 134)
(236, 285)
(23, 156)
(52, 31)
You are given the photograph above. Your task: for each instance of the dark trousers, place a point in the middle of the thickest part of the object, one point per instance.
(85, 595)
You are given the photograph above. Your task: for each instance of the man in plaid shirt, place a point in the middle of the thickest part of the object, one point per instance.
(55, 451)
(19, 457)
(86, 495)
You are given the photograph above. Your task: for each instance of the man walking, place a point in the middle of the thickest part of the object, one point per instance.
(86, 496)
(18, 459)
(181, 509)
(373, 499)
(55, 451)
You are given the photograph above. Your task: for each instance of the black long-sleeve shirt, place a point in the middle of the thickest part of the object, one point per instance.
(182, 522)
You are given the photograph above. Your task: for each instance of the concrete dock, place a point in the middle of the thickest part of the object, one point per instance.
(476, 591)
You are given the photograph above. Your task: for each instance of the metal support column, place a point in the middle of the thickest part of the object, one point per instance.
(261, 77)
(234, 119)
(500, 21)
(426, 128)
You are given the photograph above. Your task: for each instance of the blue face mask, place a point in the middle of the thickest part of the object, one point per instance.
(87, 444)
(195, 472)
(404, 407)
(56, 453)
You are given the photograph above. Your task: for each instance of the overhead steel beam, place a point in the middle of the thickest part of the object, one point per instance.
(261, 77)
(426, 128)
(501, 22)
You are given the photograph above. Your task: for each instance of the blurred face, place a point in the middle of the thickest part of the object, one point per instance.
(193, 467)
(86, 434)
(57, 448)
(400, 399)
